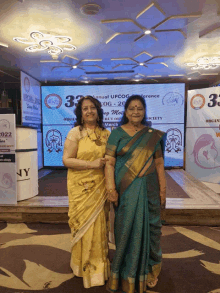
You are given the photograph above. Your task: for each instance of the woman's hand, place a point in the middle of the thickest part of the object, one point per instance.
(98, 163)
(163, 200)
(113, 196)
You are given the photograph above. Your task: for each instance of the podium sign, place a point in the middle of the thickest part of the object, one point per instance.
(8, 178)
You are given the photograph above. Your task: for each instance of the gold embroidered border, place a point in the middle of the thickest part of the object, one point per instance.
(135, 163)
(110, 150)
(132, 141)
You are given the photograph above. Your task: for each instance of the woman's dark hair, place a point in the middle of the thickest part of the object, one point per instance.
(78, 111)
(124, 119)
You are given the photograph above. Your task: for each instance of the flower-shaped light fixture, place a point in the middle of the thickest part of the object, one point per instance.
(41, 41)
(205, 63)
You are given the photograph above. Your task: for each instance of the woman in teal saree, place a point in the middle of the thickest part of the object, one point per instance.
(135, 183)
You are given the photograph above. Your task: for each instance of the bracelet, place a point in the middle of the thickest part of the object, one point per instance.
(110, 190)
(86, 164)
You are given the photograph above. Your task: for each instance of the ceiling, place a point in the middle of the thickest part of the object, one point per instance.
(111, 46)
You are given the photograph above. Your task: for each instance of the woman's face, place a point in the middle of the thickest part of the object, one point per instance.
(89, 112)
(135, 111)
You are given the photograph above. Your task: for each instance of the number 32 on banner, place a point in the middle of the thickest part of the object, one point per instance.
(213, 99)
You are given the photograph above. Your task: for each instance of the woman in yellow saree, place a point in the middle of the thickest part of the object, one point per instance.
(83, 155)
(135, 182)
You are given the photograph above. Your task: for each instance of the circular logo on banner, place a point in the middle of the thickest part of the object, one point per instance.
(197, 102)
(53, 101)
(27, 84)
(205, 152)
(54, 140)
(4, 124)
(172, 99)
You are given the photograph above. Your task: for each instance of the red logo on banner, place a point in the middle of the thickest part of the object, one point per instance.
(53, 101)
(197, 102)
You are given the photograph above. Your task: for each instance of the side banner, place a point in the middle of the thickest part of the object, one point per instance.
(8, 176)
(31, 102)
(31, 109)
(203, 134)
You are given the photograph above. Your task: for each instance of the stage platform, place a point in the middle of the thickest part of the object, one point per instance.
(196, 204)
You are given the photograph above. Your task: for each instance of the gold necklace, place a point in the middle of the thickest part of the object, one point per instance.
(96, 139)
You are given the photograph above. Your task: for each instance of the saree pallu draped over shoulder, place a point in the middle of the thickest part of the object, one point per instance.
(88, 216)
(138, 255)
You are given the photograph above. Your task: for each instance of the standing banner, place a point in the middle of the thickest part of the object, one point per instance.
(8, 177)
(31, 109)
(203, 134)
(165, 110)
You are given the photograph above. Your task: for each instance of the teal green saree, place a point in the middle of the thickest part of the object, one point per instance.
(138, 254)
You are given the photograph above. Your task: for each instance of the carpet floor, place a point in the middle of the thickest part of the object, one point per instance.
(35, 258)
(55, 184)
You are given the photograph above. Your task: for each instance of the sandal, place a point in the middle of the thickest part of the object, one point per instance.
(152, 284)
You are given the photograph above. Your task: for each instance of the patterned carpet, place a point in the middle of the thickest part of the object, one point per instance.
(35, 258)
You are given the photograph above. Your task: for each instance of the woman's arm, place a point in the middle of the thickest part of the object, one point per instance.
(159, 162)
(110, 172)
(70, 161)
(69, 156)
(110, 179)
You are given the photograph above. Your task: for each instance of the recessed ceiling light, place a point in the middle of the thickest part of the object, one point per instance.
(90, 9)
(147, 32)
(74, 66)
(137, 80)
(142, 64)
(189, 78)
(86, 81)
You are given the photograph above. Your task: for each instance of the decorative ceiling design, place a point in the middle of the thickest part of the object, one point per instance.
(74, 63)
(209, 30)
(142, 64)
(3, 45)
(142, 41)
(148, 31)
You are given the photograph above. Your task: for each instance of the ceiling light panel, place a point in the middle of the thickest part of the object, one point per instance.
(205, 63)
(46, 41)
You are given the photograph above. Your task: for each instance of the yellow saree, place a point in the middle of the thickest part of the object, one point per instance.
(87, 216)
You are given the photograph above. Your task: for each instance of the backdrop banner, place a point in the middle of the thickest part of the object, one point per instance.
(165, 111)
(203, 134)
(8, 176)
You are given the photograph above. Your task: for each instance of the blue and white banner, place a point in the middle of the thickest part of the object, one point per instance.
(165, 110)
(30, 102)
(8, 177)
(31, 109)
(203, 134)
